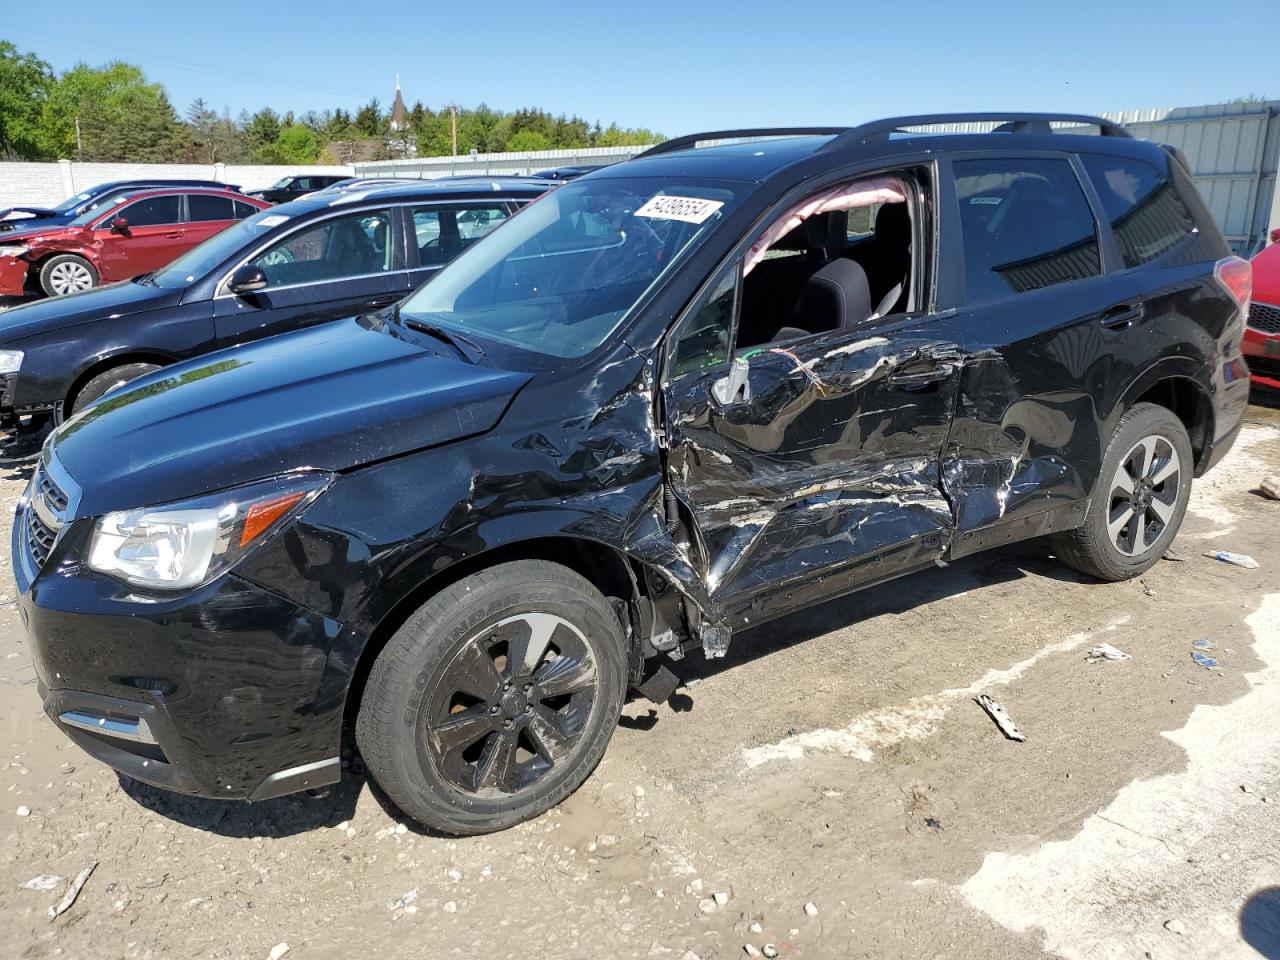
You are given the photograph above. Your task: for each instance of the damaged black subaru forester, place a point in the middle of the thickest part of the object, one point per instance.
(741, 374)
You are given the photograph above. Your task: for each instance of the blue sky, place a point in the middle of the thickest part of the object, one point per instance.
(680, 66)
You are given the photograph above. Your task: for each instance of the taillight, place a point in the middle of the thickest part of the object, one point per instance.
(1236, 276)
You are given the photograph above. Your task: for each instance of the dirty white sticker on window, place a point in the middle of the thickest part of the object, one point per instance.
(688, 209)
(272, 221)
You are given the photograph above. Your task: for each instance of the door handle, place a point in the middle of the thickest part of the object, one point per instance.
(175, 235)
(915, 376)
(1122, 315)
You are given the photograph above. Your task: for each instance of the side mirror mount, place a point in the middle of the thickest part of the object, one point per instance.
(248, 279)
(120, 225)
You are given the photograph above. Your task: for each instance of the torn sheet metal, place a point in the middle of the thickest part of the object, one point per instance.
(1002, 719)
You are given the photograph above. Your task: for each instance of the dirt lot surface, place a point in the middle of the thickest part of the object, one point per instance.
(830, 789)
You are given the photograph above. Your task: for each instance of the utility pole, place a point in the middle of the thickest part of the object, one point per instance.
(79, 147)
(453, 128)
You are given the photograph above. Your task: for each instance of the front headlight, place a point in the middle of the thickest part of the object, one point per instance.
(13, 249)
(182, 545)
(10, 361)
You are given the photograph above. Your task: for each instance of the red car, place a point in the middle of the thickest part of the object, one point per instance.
(1262, 335)
(139, 233)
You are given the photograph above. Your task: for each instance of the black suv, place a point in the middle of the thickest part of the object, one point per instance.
(292, 188)
(671, 399)
(292, 266)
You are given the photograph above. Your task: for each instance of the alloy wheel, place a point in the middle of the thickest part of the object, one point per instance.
(1144, 495)
(512, 705)
(70, 277)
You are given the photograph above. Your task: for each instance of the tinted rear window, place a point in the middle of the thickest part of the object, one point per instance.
(1147, 216)
(202, 206)
(1026, 225)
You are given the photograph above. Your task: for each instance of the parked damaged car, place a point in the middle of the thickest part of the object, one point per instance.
(1262, 335)
(670, 400)
(285, 268)
(27, 218)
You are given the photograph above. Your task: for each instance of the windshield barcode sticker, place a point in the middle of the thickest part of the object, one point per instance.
(688, 209)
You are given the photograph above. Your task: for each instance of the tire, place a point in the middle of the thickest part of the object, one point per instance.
(67, 273)
(1148, 442)
(108, 380)
(467, 740)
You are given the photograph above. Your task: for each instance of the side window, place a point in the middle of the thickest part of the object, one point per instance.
(202, 206)
(1026, 225)
(703, 340)
(478, 221)
(300, 183)
(350, 246)
(152, 211)
(1147, 216)
(444, 232)
(244, 209)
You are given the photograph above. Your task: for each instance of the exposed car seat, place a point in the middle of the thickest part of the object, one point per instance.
(837, 297)
(887, 256)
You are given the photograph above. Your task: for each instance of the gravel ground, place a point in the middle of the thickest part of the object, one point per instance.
(831, 790)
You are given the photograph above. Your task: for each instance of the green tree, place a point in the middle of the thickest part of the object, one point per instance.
(528, 140)
(121, 115)
(262, 129)
(297, 144)
(25, 81)
(369, 121)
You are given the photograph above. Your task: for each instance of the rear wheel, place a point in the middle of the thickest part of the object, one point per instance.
(496, 699)
(67, 273)
(108, 380)
(1141, 497)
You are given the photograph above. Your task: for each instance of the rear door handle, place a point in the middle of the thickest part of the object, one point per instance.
(175, 235)
(1122, 315)
(914, 376)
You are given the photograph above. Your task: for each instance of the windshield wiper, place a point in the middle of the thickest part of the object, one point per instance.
(470, 350)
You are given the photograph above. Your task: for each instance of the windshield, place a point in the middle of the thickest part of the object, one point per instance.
(198, 261)
(563, 274)
(69, 204)
(281, 183)
(99, 206)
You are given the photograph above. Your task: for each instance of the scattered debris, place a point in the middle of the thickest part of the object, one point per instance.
(751, 950)
(1173, 556)
(1204, 644)
(1270, 487)
(1146, 588)
(278, 951)
(1105, 651)
(721, 897)
(450, 906)
(45, 883)
(638, 792)
(1207, 662)
(24, 811)
(756, 928)
(73, 891)
(997, 713)
(1244, 788)
(1235, 559)
(811, 909)
(408, 899)
(769, 950)
(933, 823)
(1175, 926)
(707, 905)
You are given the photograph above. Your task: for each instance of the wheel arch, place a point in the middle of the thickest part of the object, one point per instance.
(610, 570)
(1177, 385)
(109, 361)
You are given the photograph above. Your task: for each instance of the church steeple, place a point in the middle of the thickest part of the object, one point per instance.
(399, 114)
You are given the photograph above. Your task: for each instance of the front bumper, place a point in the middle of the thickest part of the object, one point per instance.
(13, 276)
(228, 691)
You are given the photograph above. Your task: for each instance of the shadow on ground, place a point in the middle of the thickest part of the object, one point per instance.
(1260, 922)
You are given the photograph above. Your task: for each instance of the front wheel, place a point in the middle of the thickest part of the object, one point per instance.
(496, 699)
(1140, 499)
(67, 273)
(103, 383)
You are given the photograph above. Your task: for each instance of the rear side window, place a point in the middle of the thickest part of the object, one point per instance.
(152, 211)
(202, 207)
(1147, 216)
(1026, 225)
(244, 209)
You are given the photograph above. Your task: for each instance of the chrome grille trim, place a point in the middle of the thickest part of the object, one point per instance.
(53, 497)
(1264, 317)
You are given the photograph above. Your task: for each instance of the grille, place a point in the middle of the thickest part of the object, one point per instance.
(1264, 366)
(39, 538)
(49, 499)
(1264, 317)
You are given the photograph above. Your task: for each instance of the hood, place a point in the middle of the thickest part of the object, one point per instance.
(11, 230)
(334, 397)
(1266, 275)
(38, 213)
(100, 303)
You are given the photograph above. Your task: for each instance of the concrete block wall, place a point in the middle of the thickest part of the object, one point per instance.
(46, 184)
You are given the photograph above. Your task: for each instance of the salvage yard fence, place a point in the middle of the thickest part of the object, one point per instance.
(1233, 150)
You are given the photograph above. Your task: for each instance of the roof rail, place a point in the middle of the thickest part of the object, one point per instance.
(693, 139)
(1006, 123)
